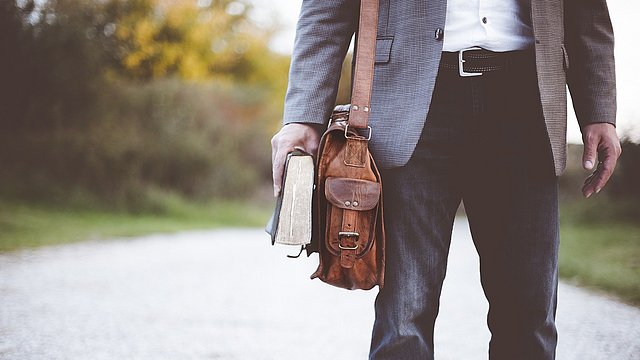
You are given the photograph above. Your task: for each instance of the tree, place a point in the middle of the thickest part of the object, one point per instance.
(102, 96)
(192, 40)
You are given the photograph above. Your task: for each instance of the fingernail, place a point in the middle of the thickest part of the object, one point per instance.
(276, 191)
(588, 164)
(598, 190)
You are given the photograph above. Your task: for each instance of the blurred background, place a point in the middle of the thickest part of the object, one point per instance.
(125, 117)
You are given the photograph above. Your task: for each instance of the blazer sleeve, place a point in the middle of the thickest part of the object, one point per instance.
(323, 34)
(589, 45)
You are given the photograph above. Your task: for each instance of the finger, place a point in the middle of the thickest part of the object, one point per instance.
(596, 181)
(301, 148)
(589, 153)
(275, 164)
(606, 170)
(588, 188)
(277, 171)
(312, 148)
(590, 178)
(274, 147)
(312, 143)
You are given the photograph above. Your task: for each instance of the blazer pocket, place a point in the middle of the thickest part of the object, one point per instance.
(565, 58)
(383, 49)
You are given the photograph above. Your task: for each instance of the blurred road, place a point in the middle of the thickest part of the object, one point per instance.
(228, 294)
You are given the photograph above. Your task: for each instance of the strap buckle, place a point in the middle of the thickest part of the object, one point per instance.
(346, 132)
(461, 61)
(348, 234)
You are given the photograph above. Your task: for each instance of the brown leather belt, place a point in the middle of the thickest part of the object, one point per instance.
(476, 61)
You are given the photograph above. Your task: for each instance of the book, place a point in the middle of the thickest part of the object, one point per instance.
(291, 222)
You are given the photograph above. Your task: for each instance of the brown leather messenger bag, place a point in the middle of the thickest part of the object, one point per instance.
(348, 217)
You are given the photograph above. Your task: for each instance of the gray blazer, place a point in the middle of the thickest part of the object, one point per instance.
(573, 45)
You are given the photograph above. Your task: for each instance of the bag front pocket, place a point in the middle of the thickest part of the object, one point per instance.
(352, 207)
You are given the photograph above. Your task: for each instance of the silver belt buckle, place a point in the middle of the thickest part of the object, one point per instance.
(461, 61)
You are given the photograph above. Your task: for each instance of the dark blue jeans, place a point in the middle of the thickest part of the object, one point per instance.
(484, 143)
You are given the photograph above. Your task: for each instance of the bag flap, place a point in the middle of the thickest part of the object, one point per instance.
(352, 194)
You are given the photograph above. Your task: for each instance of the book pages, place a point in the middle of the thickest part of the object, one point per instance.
(294, 223)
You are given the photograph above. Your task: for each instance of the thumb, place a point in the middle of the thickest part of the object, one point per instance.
(589, 154)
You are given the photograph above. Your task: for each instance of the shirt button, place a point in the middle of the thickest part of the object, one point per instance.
(484, 20)
(439, 34)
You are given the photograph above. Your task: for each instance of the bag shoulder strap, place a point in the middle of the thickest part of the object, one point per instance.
(365, 60)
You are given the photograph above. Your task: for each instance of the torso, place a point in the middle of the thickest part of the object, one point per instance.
(497, 25)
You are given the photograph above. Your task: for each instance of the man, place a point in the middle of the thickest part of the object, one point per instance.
(469, 103)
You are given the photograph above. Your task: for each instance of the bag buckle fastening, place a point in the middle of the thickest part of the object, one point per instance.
(461, 61)
(347, 136)
(348, 234)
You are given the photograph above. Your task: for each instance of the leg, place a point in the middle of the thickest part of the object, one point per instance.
(421, 199)
(419, 210)
(518, 256)
(513, 213)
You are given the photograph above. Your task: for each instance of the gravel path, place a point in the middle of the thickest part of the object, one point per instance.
(228, 294)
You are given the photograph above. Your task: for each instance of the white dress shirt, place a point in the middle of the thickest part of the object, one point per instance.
(497, 25)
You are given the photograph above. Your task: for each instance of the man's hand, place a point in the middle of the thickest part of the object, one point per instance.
(293, 135)
(601, 143)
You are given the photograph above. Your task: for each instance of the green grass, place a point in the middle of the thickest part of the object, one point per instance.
(604, 257)
(24, 225)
